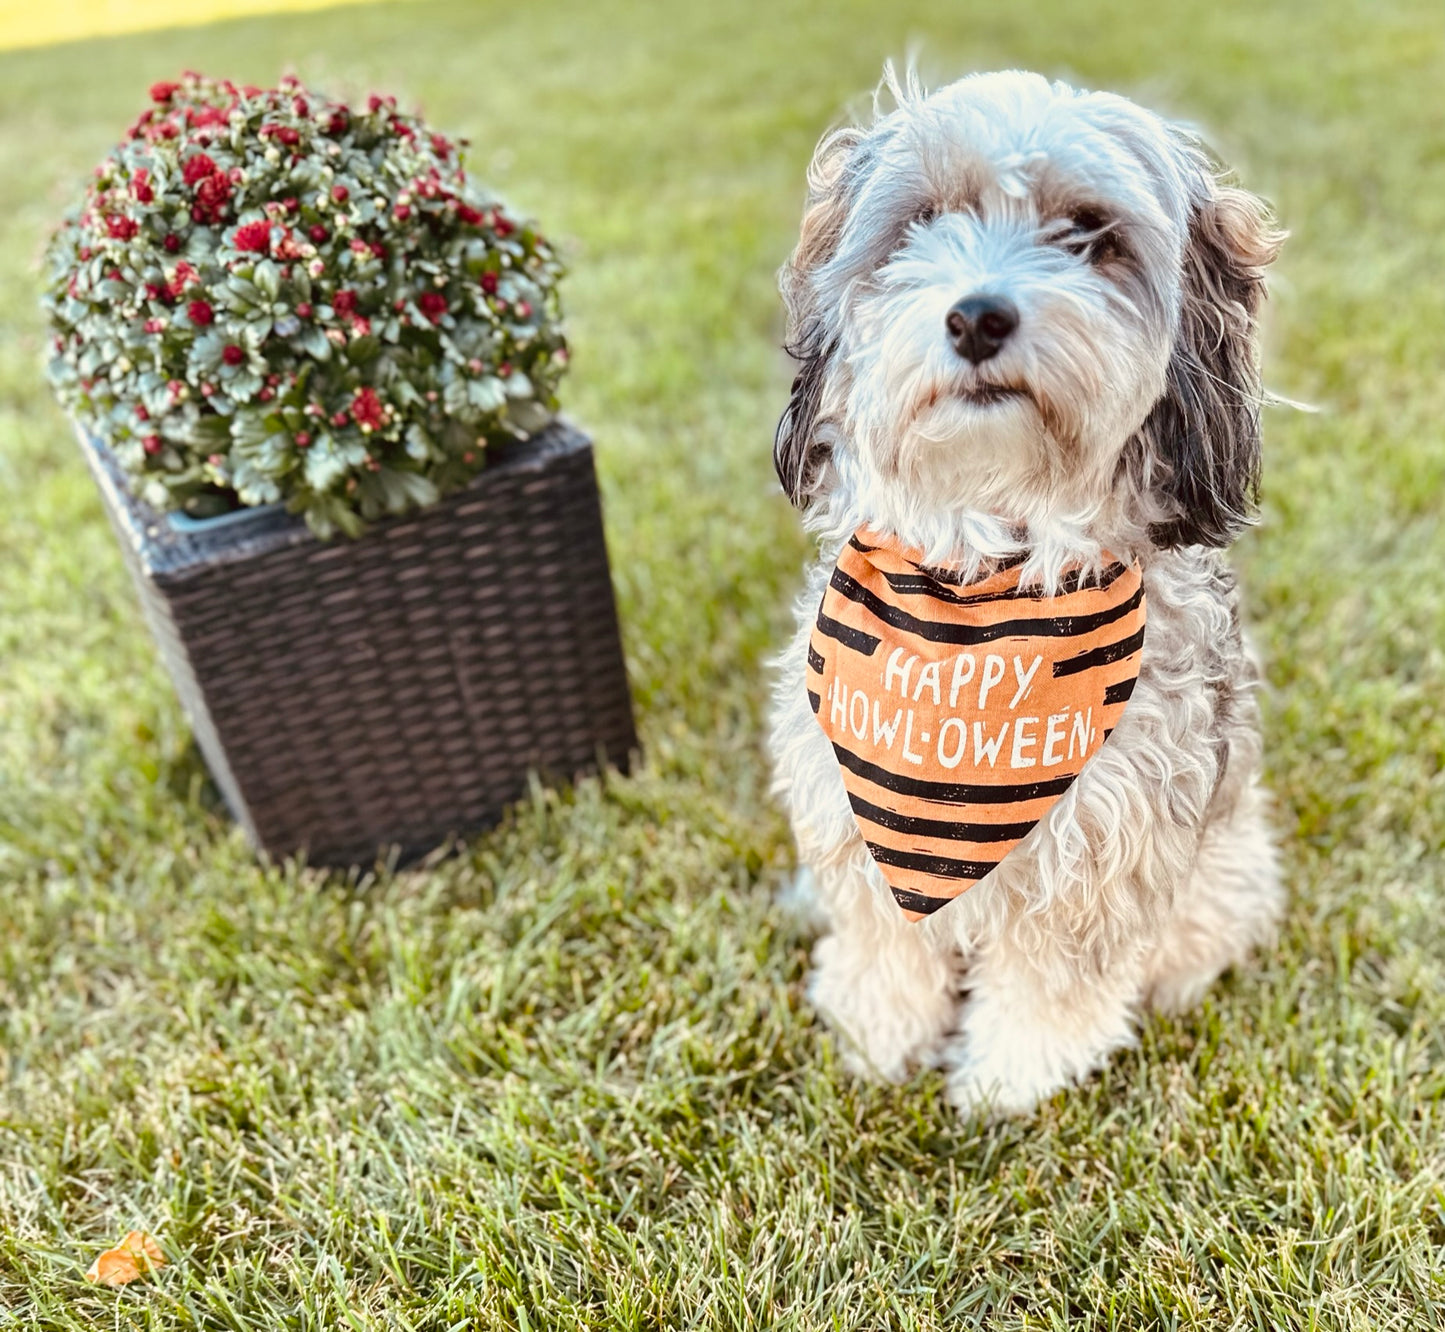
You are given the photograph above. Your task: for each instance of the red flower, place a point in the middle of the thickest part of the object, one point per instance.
(288, 247)
(303, 310)
(378, 250)
(185, 275)
(433, 305)
(155, 325)
(152, 444)
(232, 354)
(254, 237)
(344, 302)
(197, 168)
(340, 193)
(303, 439)
(523, 309)
(206, 117)
(403, 211)
(291, 204)
(338, 122)
(489, 283)
(471, 216)
(140, 186)
(503, 226)
(441, 146)
(359, 246)
(172, 243)
(121, 228)
(366, 409)
(213, 196)
(317, 232)
(163, 92)
(201, 313)
(300, 108)
(285, 133)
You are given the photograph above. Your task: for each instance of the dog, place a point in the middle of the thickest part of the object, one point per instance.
(1024, 321)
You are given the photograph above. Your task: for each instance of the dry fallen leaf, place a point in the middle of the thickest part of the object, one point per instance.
(133, 1257)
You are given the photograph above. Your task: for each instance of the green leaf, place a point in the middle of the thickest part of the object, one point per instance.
(314, 342)
(324, 465)
(249, 430)
(206, 432)
(487, 394)
(419, 490)
(268, 279)
(360, 350)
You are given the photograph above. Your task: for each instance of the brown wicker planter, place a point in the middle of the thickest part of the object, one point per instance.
(395, 690)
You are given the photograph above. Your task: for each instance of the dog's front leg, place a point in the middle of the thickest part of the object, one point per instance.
(1037, 1020)
(889, 988)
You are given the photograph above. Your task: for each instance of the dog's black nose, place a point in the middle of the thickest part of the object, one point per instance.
(979, 325)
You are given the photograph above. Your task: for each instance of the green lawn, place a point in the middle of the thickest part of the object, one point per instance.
(569, 1079)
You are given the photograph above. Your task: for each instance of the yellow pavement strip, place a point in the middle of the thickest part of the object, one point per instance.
(26, 23)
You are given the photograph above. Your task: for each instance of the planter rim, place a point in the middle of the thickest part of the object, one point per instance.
(170, 544)
(184, 522)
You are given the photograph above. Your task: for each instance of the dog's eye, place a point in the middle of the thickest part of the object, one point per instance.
(1091, 235)
(924, 214)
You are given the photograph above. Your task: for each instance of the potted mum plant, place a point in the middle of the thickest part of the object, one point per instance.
(314, 370)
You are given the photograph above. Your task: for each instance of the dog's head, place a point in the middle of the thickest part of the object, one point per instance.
(1017, 298)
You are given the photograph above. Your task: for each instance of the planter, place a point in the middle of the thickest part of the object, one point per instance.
(394, 690)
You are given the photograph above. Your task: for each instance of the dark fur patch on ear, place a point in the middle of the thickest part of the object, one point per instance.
(797, 453)
(1205, 429)
(797, 457)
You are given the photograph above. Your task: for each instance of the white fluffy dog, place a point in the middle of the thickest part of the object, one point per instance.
(1025, 322)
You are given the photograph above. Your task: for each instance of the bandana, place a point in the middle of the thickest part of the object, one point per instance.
(960, 712)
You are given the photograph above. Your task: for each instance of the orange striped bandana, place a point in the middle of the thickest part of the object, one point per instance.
(960, 712)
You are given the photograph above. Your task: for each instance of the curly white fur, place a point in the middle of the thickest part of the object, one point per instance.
(1130, 424)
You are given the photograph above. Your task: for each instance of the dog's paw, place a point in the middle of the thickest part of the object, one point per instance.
(976, 1092)
(884, 1023)
(1005, 1065)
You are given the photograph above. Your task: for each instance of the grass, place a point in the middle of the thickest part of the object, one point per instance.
(569, 1078)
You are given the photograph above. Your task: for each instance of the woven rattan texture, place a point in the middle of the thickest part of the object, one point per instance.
(394, 690)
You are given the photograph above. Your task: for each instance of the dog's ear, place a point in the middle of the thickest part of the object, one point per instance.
(1202, 436)
(798, 455)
